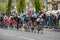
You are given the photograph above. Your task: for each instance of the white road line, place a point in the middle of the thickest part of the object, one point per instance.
(25, 38)
(8, 34)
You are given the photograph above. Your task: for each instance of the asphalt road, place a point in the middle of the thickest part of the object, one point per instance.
(6, 34)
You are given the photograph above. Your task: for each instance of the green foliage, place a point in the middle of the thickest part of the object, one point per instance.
(9, 6)
(21, 5)
(38, 4)
(3, 7)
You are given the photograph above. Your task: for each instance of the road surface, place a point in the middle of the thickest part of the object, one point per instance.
(6, 34)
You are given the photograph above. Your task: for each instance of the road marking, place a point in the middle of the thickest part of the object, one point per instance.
(8, 34)
(25, 38)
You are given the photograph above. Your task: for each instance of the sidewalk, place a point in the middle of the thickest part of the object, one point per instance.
(52, 30)
(56, 30)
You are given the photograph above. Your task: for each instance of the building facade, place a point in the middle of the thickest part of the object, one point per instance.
(45, 5)
(53, 4)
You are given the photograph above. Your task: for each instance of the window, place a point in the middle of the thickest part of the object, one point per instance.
(58, 6)
(49, 0)
(49, 6)
(55, 7)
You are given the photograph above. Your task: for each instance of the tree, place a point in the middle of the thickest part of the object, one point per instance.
(21, 5)
(9, 6)
(3, 6)
(38, 5)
